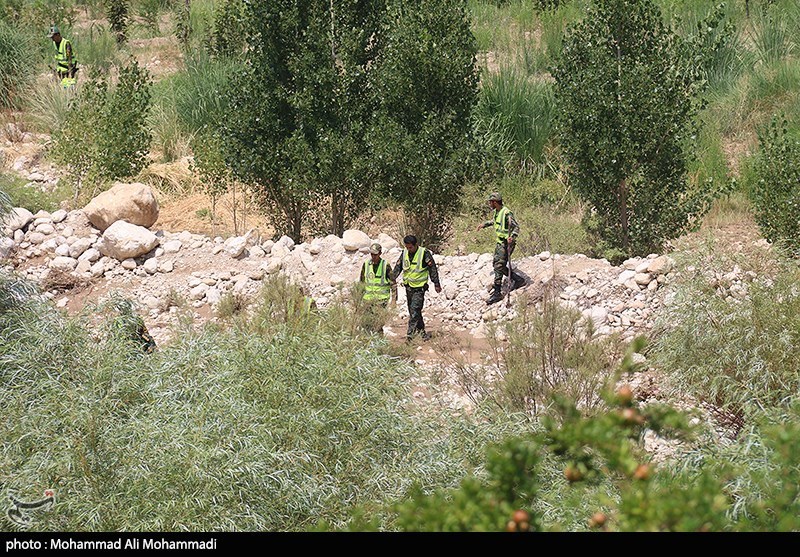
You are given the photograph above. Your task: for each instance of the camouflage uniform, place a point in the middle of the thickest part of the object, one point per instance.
(415, 296)
(500, 261)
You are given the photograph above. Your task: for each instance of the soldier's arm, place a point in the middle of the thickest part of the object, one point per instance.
(433, 270)
(398, 268)
(513, 226)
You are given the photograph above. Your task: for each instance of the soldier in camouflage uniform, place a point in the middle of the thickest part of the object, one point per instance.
(506, 230)
(131, 326)
(417, 265)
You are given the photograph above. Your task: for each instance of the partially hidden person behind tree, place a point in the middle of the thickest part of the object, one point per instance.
(417, 266)
(130, 326)
(379, 286)
(66, 61)
(506, 230)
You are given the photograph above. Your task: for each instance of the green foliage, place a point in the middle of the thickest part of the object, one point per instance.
(299, 110)
(771, 35)
(261, 426)
(227, 37)
(31, 198)
(105, 136)
(626, 94)
(775, 190)
(733, 350)
(149, 12)
(209, 164)
(426, 83)
(552, 352)
(594, 449)
(117, 14)
(16, 52)
(513, 118)
(715, 44)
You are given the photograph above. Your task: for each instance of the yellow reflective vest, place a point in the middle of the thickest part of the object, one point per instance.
(415, 276)
(377, 286)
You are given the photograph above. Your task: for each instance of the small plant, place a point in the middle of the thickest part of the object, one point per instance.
(117, 14)
(105, 136)
(232, 304)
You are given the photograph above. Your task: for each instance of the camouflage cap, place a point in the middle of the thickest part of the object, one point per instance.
(495, 196)
(53, 31)
(375, 248)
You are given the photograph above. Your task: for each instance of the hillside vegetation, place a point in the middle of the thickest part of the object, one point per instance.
(612, 128)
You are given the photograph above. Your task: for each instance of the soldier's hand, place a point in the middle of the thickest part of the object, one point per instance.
(479, 228)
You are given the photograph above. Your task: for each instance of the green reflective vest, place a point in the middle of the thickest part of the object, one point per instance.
(500, 226)
(62, 61)
(376, 285)
(416, 276)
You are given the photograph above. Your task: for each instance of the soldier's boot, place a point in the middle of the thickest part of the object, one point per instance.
(518, 281)
(495, 297)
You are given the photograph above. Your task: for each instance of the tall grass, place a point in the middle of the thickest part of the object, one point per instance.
(48, 104)
(17, 60)
(514, 117)
(96, 48)
(733, 350)
(771, 35)
(254, 427)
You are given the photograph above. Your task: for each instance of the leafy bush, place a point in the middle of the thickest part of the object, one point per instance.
(117, 14)
(775, 191)
(31, 198)
(105, 136)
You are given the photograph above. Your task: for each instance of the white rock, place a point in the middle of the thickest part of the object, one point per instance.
(544, 256)
(209, 281)
(652, 285)
(36, 177)
(279, 251)
(18, 218)
(35, 238)
(79, 247)
(18, 235)
(218, 248)
(186, 237)
(625, 276)
(83, 267)
(68, 231)
(315, 247)
(286, 241)
(97, 269)
(642, 278)
(198, 292)
(62, 250)
(166, 267)
(128, 264)
(6, 245)
(387, 242)
(256, 251)
(354, 240)
(660, 265)
(213, 296)
(46, 228)
(267, 246)
(598, 314)
(642, 267)
(151, 266)
(152, 302)
(123, 240)
(224, 275)
(58, 216)
(235, 246)
(63, 264)
(62, 303)
(172, 246)
(134, 203)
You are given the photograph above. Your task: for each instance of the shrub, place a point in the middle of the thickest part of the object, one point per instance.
(775, 191)
(105, 136)
(730, 334)
(117, 14)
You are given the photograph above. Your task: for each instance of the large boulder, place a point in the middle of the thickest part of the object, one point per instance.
(133, 203)
(354, 240)
(17, 219)
(123, 240)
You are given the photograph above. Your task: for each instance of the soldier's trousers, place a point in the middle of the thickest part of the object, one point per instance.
(500, 264)
(415, 297)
